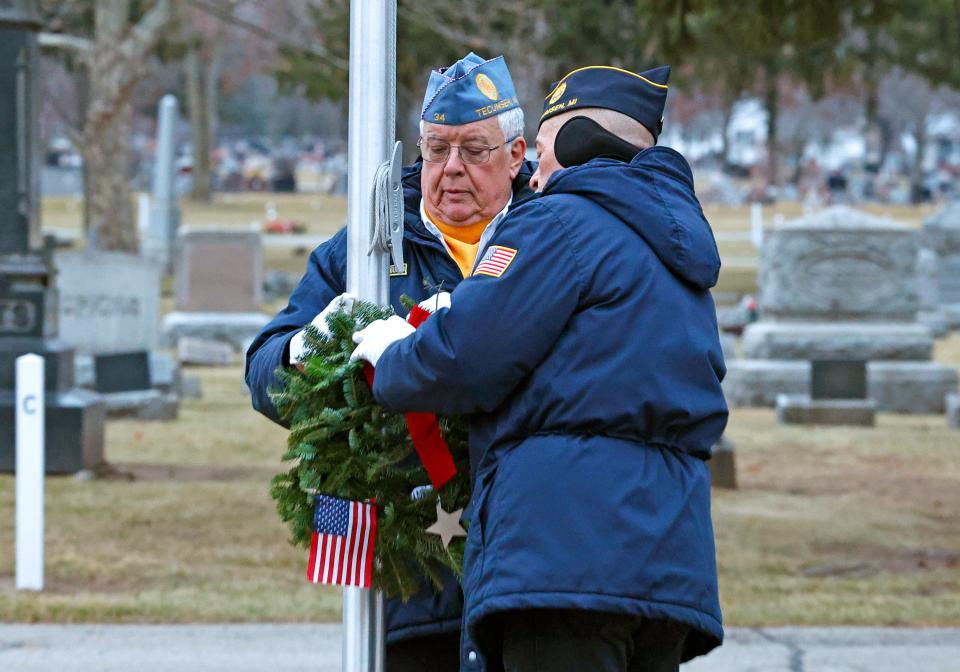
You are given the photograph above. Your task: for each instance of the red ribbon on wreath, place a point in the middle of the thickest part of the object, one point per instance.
(423, 427)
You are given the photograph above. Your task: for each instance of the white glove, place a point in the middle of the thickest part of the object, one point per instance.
(372, 341)
(297, 346)
(436, 302)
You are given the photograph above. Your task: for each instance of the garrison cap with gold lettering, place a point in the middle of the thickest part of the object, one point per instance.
(471, 89)
(640, 96)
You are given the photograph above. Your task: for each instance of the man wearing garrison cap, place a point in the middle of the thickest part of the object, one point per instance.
(472, 172)
(584, 350)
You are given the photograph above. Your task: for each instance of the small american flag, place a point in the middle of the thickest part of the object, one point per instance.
(341, 550)
(495, 261)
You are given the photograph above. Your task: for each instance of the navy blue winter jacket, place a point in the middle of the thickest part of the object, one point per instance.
(429, 268)
(592, 371)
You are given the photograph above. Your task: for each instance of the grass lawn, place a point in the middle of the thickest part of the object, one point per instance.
(184, 531)
(829, 526)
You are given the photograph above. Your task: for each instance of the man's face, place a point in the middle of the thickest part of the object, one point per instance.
(548, 163)
(461, 194)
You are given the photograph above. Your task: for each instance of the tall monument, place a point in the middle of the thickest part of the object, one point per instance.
(74, 418)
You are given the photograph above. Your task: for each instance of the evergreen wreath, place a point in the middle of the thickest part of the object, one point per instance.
(343, 443)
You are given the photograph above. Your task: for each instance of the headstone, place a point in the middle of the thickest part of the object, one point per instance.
(930, 314)
(218, 287)
(953, 410)
(109, 301)
(124, 372)
(109, 309)
(722, 465)
(203, 352)
(840, 285)
(756, 225)
(73, 419)
(838, 379)
(165, 212)
(800, 409)
(219, 271)
(942, 236)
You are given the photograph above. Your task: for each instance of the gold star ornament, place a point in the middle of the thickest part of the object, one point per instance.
(447, 526)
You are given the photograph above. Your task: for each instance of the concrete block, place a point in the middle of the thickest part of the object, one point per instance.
(910, 387)
(191, 387)
(722, 464)
(142, 405)
(848, 340)
(800, 409)
(898, 387)
(204, 352)
(236, 329)
(952, 403)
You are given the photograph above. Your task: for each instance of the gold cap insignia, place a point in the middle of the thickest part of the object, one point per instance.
(487, 87)
(557, 92)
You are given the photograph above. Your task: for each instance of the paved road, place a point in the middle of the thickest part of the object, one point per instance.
(316, 648)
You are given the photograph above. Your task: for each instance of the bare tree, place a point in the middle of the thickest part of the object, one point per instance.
(115, 61)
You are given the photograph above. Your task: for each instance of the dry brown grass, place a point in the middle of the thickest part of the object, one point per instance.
(321, 214)
(184, 531)
(829, 526)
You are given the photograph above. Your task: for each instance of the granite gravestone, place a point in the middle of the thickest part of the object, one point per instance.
(74, 418)
(218, 287)
(838, 396)
(164, 209)
(110, 305)
(122, 372)
(942, 236)
(840, 285)
(953, 411)
(838, 379)
(109, 301)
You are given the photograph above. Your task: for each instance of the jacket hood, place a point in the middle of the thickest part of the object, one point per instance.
(653, 195)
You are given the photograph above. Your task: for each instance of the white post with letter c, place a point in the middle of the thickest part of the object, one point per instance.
(30, 464)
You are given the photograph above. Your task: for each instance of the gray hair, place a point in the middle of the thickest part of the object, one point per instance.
(511, 123)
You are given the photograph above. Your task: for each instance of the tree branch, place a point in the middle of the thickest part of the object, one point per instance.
(81, 45)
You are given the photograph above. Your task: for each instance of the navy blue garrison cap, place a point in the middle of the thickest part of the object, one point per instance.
(639, 96)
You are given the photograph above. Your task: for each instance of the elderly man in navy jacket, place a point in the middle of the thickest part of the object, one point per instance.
(472, 172)
(584, 350)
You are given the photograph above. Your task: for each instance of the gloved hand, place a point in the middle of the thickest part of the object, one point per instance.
(436, 302)
(372, 341)
(298, 346)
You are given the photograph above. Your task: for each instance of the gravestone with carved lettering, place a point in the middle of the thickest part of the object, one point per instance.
(109, 301)
(73, 418)
(942, 237)
(840, 285)
(109, 304)
(218, 286)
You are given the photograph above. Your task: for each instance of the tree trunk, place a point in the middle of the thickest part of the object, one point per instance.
(874, 155)
(772, 104)
(109, 198)
(916, 172)
(115, 66)
(202, 89)
(199, 124)
(727, 117)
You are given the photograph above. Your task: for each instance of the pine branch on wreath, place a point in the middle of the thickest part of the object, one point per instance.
(343, 443)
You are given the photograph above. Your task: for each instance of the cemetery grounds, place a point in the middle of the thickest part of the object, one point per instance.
(830, 526)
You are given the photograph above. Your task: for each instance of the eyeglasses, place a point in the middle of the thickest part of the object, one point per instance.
(438, 151)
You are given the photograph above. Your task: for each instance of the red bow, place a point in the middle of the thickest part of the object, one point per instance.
(424, 428)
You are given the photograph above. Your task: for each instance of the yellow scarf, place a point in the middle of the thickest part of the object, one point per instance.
(463, 241)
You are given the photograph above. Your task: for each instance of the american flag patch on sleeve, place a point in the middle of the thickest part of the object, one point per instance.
(495, 261)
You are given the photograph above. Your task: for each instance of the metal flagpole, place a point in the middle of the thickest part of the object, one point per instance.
(372, 122)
